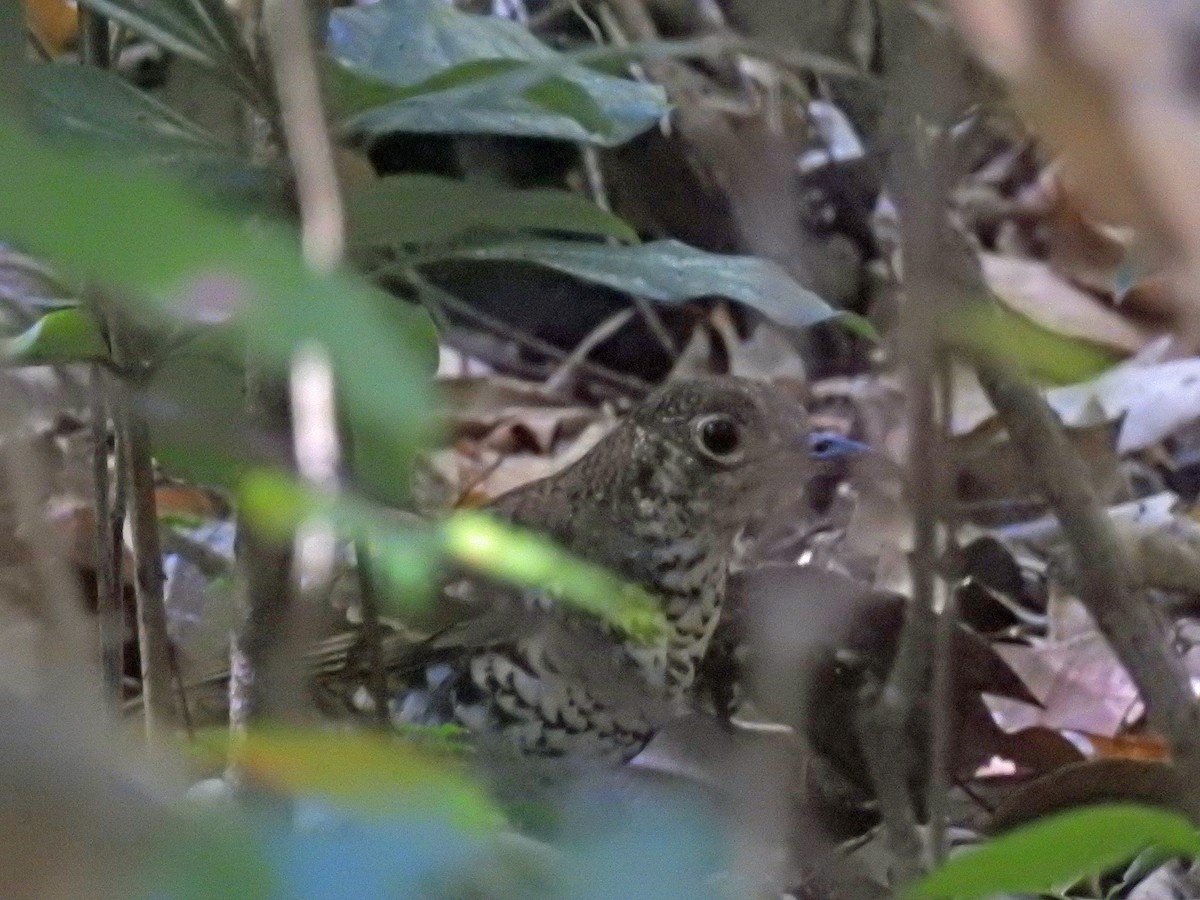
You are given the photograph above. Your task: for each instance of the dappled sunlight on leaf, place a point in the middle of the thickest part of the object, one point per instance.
(408, 552)
(363, 772)
(1045, 355)
(524, 557)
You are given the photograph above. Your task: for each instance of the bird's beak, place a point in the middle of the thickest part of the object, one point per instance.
(829, 445)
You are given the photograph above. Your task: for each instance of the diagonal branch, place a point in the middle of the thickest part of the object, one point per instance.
(1134, 629)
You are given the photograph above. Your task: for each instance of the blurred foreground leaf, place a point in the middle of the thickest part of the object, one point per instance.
(204, 31)
(453, 72)
(483, 543)
(1053, 853)
(277, 503)
(100, 111)
(186, 261)
(363, 772)
(424, 209)
(82, 815)
(671, 272)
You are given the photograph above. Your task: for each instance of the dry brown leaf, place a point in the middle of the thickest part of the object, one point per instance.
(988, 471)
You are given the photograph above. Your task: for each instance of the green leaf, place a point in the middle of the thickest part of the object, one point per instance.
(364, 772)
(1046, 356)
(563, 96)
(195, 402)
(278, 503)
(670, 272)
(101, 111)
(352, 91)
(459, 73)
(1056, 851)
(203, 31)
(183, 259)
(528, 558)
(60, 337)
(107, 112)
(423, 209)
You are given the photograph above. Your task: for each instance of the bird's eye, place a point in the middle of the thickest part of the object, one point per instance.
(719, 436)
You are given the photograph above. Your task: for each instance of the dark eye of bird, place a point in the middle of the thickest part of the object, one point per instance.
(719, 436)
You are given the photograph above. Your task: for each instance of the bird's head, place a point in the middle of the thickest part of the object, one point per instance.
(730, 450)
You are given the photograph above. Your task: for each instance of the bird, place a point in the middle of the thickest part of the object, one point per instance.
(665, 501)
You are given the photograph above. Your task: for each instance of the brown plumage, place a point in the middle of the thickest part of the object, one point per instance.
(662, 500)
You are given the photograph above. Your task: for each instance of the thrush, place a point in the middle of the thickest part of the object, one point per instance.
(662, 500)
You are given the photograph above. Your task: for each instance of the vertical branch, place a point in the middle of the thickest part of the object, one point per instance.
(941, 694)
(106, 540)
(1132, 626)
(263, 593)
(936, 269)
(135, 457)
(94, 49)
(309, 147)
(95, 43)
(263, 590)
(265, 662)
(372, 630)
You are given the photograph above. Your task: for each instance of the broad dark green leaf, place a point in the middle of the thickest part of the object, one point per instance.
(60, 337)
(671, 272)
(491, 76)
(204, 31)
(1051, 854)
(145, 233)
(104, 112)
(352, 91)
(404, 210)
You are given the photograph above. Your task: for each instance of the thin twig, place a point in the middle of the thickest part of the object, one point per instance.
(599, 195)
(434, 295)
(937, 269)
(94, 50)
(943, 602)
(39, 46)
(591, 341)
